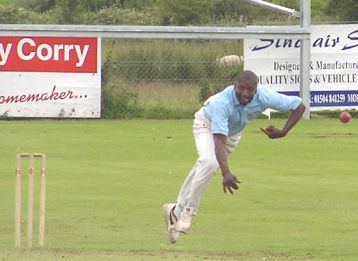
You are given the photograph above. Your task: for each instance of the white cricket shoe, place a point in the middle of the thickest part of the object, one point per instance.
(170, 219)
(184, 222)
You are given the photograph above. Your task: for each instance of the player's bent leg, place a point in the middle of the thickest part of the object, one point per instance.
(206, 169)
(184, 192)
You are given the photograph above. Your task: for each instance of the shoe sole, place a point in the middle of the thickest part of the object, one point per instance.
(166, 217)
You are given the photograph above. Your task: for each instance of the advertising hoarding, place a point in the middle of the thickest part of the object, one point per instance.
(50, 77)
(334, 65)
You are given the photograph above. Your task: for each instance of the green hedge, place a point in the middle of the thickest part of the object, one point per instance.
(130, 63)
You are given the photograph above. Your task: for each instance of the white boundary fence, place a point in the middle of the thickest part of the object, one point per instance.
(186, 32)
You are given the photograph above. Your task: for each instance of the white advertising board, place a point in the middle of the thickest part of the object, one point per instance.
(334, 65)
(50, 77)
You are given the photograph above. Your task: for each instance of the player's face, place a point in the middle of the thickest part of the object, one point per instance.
(245, 91)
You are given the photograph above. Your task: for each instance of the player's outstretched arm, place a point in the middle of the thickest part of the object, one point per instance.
(230, 182)
(295, 116)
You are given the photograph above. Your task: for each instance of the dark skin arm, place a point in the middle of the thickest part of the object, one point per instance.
(230, 182)
(295, 116)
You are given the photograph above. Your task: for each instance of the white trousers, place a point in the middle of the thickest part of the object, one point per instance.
(206, 165)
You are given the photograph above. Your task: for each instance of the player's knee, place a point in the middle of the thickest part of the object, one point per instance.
(210, 163)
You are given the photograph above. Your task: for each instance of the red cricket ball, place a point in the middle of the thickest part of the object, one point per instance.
(345, 116)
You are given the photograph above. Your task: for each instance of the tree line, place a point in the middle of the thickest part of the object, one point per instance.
(167, 12)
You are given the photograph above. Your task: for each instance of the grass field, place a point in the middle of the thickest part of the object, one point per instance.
(5, 2)
(107, 181)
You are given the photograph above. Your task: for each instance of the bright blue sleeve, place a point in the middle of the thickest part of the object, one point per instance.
(279, 101)
(219, 118)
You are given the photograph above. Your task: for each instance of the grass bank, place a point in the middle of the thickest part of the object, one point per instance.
(107, 181)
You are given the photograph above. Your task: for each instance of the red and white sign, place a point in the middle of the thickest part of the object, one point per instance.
(50, 77)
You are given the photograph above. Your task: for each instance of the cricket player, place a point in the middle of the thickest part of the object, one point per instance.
(217, 130)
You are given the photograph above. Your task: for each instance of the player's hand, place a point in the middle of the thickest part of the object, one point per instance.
(273, 133)
(230, 183)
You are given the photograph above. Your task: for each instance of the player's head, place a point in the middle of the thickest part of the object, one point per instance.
(246, 86)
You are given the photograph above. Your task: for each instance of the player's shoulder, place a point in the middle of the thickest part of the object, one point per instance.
(261, 88)
(264, 91)
(217, 99)
(265, 95)
(225, 94)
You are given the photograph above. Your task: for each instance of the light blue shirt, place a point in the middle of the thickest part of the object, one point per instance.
(228, 116)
